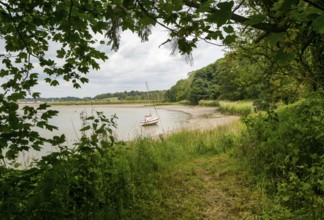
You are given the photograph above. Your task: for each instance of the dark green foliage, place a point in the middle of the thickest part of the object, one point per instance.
(287, 147)
(53, 99)
(199, 90)
(201, 84)
(134, 95)
(89, 181)
(102, 179)
(181, 90)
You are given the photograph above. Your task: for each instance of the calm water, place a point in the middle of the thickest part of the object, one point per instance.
(69, 123)
(128, 127)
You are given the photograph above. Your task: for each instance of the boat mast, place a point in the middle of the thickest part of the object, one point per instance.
(148, 94)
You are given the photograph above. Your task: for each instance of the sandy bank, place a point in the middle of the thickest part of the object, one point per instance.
(203, 118)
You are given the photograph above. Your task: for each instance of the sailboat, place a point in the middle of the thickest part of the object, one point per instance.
(149, 119)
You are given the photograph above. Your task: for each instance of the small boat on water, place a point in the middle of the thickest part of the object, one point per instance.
(149, 120)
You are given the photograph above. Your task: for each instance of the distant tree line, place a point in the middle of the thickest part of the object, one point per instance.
(131, 95)
(55, 99)
(134, 95)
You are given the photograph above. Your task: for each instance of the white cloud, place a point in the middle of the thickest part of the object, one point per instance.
(133, 64)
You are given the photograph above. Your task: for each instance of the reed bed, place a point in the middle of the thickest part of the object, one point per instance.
(242, 108)
(209, 103)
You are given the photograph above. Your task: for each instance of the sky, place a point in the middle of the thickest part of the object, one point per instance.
(134, 64)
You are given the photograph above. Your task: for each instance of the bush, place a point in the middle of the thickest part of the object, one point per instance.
(287, 147)
(90, 181)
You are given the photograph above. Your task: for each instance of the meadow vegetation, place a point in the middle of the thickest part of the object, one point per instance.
(269, 167)
(262, 168)
(208, 103)
(236, 108)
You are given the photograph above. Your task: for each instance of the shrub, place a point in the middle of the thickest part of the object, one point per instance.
(287, 147)
(90, 181)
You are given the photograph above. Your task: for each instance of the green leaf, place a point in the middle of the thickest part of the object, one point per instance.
(274, 38)
(255, 19)
(84, 80)
(230, 39)
(85, 128)
(285, 198)
(60, 53)
(287, 4)
(318, 24)
(54, 83)
(147, 21)
(36, 95)
(229, 29)
(284, 57)
(223, 14)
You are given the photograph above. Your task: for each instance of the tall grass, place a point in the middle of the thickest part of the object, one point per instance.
(101, 179)
(209, 103)
(149, 158)
(184, 102)
(185, 144)
(236, 108)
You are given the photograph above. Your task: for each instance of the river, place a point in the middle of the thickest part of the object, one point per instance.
(128, 128)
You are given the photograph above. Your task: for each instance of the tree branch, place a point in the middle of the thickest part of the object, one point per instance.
(241, 19)
(314, 4)
(238, 6)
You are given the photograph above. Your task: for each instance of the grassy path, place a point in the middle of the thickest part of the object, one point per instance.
(210, 187)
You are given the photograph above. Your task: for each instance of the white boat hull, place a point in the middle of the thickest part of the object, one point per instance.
(150, 121)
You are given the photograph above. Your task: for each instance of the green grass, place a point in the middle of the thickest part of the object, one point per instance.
(209, 103)
(185, 175)
(192, 175)
(236, 108)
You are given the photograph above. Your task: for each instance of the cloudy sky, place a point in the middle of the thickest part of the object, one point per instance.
(133, 64)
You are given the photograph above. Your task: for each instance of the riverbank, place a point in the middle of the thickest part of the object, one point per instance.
(202, 118)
